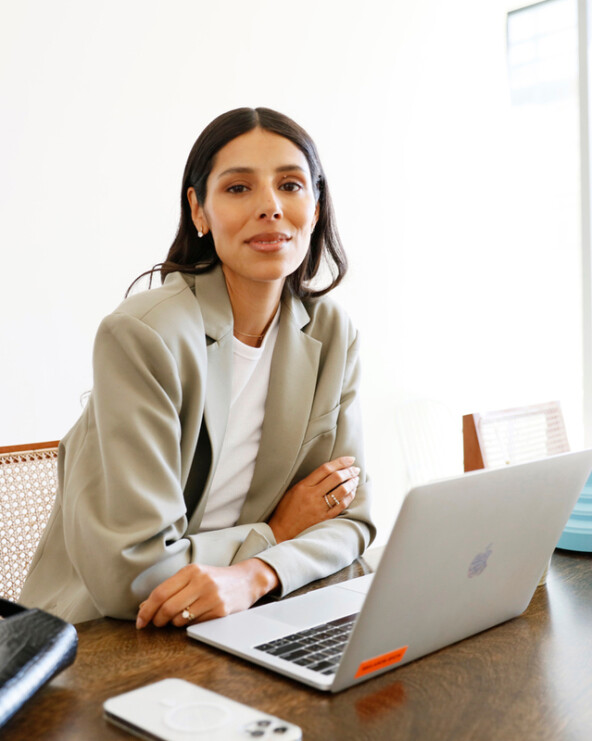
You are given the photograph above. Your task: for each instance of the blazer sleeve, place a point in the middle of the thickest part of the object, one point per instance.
(125, 518)
(331, 545)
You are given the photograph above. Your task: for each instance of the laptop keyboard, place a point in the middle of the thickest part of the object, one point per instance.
(318, 648)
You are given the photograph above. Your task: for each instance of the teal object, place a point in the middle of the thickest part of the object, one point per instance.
(577, 535)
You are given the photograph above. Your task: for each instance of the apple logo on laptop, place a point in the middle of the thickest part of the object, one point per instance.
(479, 563)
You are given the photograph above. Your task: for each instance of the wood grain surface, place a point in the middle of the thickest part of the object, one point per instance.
(530, 678)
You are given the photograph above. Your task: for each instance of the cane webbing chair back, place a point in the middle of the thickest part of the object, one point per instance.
(28, 483)
(494, 439)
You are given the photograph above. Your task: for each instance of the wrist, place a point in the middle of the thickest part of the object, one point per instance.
(278, 534)
(263, 577)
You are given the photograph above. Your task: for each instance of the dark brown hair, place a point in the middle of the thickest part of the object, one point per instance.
(192, 254)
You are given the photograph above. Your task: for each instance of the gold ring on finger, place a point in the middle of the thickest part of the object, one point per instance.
(327, 501)
(187, 614)
(334, 498)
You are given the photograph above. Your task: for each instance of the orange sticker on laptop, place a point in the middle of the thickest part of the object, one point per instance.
(380, 662)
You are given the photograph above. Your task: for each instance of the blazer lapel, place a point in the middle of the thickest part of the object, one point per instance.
(288, 405)
(211, 292)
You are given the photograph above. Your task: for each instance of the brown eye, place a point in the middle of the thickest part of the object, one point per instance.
(236, 189)
(291, 186)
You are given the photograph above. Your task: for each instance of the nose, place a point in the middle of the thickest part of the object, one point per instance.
(270, 206)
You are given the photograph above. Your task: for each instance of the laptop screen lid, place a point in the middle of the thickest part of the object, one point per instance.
(465, 554)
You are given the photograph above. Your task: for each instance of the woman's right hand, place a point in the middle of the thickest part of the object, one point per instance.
(322, 495)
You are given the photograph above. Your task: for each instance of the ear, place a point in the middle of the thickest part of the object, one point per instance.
(316, 217)
(197, 213)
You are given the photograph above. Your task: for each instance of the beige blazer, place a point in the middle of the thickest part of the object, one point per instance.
(125, 518)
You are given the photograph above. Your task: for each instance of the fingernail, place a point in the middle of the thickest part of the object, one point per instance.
(348, 459)
(356, 470)
(140, 623)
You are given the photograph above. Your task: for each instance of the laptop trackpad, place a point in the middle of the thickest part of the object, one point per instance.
(314, 607)
(359, 584)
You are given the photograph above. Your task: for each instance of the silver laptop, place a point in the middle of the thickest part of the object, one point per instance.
(465, 554)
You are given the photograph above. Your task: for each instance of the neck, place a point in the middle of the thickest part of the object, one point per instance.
(253, 308)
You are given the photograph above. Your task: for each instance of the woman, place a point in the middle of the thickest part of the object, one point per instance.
(219, 457)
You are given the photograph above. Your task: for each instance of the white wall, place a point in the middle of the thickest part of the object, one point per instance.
(408, 103)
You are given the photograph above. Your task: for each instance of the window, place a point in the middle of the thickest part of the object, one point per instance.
(542, 59)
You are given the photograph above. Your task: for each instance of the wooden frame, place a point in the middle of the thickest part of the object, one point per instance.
(32, 446)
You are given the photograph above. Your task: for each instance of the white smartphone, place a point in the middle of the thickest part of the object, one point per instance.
(176, 710)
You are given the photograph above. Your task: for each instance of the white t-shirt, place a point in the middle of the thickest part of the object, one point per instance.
(232, 478)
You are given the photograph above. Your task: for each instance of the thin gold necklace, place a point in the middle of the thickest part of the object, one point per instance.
(246, 334)
(258, 337)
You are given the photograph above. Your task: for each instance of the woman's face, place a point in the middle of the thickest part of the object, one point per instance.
(260, 208)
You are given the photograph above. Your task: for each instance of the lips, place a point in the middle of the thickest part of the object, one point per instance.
(268, 241)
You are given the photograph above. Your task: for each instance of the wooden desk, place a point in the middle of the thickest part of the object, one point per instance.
(530, 678)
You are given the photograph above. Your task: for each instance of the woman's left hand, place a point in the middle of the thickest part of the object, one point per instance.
(206, 592)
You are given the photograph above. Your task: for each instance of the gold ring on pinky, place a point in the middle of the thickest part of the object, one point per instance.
(187, 615)
(327, 501)
(334, 498)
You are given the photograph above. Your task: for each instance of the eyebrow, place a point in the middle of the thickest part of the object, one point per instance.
(251, 170)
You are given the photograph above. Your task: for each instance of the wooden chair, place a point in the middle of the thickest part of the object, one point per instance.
(495, 439)
(28, 484)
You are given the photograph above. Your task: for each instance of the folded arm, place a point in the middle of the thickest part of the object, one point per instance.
(321, 524)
